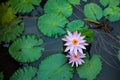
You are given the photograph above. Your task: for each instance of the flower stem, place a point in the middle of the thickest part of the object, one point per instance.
(92, 21)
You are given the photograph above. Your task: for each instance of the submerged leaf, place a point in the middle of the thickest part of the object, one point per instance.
(52, 24)
(93, 11)
(74, 2)
(78, 25)
(91, 68)
(59, 7)
(112, 13)
(24, 6)
(9, 32)
(55, 67)
(26, 49)
(1, 76)
(109, 2)
(26, 73)
(7, 14)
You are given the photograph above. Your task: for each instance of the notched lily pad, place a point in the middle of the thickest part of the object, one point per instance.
(24, 6)
(75, 25)
(55, 67)
(52, 25)
(110, 2)
(74, 2)
(85, 0)
(26, 73)
(26, 48)
(9, 32)
(112, 13)
(7, 14)
(93, 11)
(119, 54)
(91, 68)
(78, 25)
(58, 7)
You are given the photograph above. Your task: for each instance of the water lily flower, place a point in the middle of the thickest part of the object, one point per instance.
(76, 59)
(74, 42)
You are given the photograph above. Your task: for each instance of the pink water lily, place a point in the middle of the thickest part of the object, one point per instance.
(74, 42)
(76, 59)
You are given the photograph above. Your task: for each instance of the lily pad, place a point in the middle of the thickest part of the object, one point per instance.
(7, 14)
(110, 2)
(52, 25)
(84, 0)
(74, 2)
(24, 6)
(91, 68)
(26, 73)
(59, 7)
(93, 11)
(112, 13)
(119, 54)
(55, 67)
(9, 32)
(78, 25)
(88, 33)
(75, 25)
(26, 48)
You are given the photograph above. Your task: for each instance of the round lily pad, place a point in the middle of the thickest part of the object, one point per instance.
(58, 6)
(26, 73)
(93, 11)
(119, 54)
(24, 6)
(74, 2)
(78, 25)
(75, 25)
(55, 67)
(9, 32)
(52, 25)
(91, 68)
(110, 2)
(112, 13)
(7, 14)
(26, 48)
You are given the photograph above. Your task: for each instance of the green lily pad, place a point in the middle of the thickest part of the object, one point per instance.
(55, 67)
(1, 76)
(88, 33)
(9, 32)
(84, 0)
(91, 68)
(93, 11)
(74, 2)
(26, 73)
(26, 48)
(52, 25)
(112, 13)
(59, 7)
(110, 2)
(75, 25)
(78, 25)
(7, 14)
(119, 54)
(24, 6)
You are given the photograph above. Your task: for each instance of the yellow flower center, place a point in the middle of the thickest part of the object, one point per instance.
(75, 56)
(74, 42)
